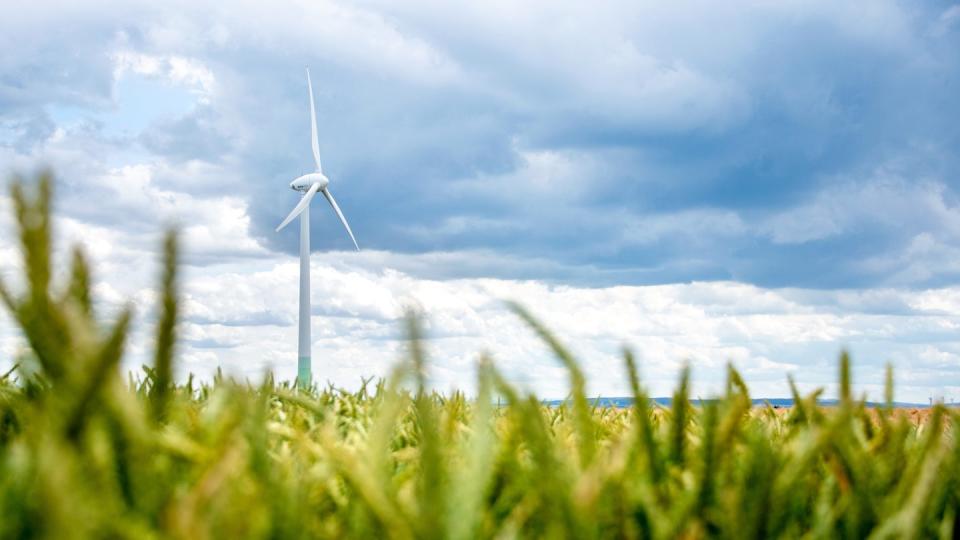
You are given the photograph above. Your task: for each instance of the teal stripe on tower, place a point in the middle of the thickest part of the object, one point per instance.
(303, 372)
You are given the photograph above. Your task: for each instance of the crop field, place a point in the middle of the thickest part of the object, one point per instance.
(87, 451)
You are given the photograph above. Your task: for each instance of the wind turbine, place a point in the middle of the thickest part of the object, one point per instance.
(309, 184)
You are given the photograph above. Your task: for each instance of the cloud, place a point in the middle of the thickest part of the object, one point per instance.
(546, 131)
(694, 178)
(240, 314)
(247, 321)
(176, 69)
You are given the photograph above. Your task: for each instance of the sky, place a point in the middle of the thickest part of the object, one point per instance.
(765, 183)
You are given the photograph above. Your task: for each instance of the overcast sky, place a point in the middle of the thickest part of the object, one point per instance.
(761, 182)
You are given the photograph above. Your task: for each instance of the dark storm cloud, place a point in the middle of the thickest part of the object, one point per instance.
(194, 136)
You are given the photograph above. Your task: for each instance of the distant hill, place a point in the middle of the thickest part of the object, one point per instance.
(775, 402)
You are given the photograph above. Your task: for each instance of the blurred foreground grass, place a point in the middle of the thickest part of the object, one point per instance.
(87, 452)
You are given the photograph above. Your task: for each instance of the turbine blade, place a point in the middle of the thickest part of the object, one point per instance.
(333, 203)
(300, 206)
(313, 125)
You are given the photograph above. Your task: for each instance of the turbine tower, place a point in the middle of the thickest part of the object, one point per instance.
(309, 184)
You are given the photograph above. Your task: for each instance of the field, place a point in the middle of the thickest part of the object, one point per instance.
(86, 451)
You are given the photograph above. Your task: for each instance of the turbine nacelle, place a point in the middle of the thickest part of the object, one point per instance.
(304, 182)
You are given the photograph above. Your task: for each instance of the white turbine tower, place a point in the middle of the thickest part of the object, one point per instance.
(310, 184)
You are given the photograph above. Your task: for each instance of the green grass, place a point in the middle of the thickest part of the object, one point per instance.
(86, 451)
